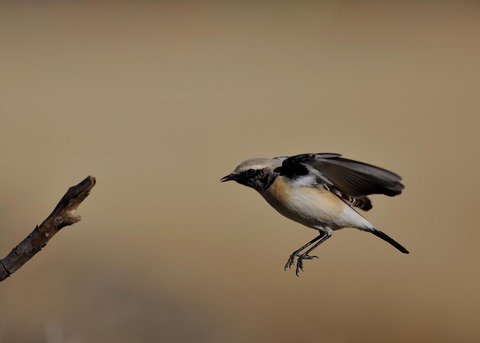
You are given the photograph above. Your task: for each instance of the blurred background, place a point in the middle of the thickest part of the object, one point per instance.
(158, 100)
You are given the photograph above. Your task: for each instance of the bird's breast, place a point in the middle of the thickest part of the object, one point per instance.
(310, 206)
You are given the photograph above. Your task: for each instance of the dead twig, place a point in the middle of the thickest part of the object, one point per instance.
(64, 214)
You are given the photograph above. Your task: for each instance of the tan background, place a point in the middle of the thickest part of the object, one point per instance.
(159, 101)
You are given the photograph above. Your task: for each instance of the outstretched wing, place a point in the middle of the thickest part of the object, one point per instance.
(353, 181)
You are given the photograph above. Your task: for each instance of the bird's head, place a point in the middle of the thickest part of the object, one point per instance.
(257, 173)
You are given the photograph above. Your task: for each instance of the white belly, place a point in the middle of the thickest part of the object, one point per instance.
(313, 207)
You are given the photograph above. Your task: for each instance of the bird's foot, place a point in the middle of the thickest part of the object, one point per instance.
(300, 258)
(291, 261)
(300, 262)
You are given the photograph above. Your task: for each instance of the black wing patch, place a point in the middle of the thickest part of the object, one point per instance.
(295, 166)
(351, 180)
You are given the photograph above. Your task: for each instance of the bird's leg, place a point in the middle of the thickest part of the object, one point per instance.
(324, 235)
(296, 253)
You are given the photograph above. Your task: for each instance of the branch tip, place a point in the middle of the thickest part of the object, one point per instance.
(64, 214)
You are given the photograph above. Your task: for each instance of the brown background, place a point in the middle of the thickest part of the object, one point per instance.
(159, 101)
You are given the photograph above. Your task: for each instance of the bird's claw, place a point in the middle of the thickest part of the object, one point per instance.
(290, 262)
(308, 257)
(300, 258)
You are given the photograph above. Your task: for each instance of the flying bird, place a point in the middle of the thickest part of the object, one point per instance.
(320, 191)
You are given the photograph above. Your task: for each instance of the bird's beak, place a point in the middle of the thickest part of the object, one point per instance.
(229, 177)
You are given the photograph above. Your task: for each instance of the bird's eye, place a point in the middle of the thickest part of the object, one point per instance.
(250, 172)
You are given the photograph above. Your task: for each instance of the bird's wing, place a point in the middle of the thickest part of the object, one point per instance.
(351, 180)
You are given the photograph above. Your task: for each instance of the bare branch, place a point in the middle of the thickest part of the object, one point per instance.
(64, 214)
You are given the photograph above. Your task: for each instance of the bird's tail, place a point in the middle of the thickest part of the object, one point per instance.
(388, 239)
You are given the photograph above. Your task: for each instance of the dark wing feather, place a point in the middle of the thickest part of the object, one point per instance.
(363, 203)
(357, 178)
(352, 178)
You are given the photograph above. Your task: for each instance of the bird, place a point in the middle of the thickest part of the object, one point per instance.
(321, 191)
